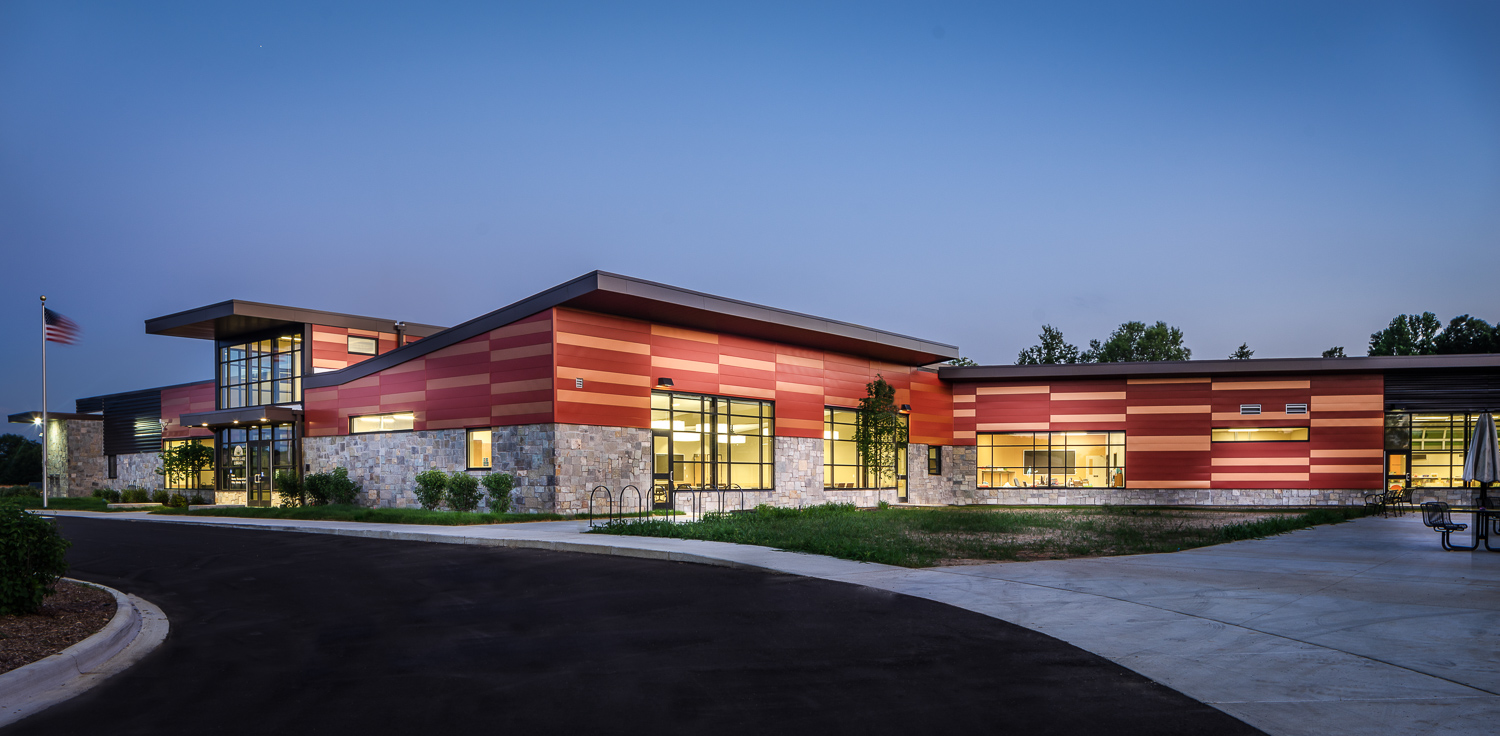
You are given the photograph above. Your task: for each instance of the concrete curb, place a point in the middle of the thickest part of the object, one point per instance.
(137, 627)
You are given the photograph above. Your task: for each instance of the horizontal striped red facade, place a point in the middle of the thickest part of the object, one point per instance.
(529, 372)
(499, 378)
(1168, 422)
(180, 400)
(330, 346)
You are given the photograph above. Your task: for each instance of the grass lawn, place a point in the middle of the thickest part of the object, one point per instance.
(66, 504)
(955, 535)
(369, 515)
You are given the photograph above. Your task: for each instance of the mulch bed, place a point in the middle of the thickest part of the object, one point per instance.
(68, 616)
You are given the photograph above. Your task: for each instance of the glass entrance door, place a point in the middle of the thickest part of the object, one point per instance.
(1397, 470)
(260, 472)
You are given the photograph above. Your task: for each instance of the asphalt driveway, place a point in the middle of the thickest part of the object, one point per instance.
(276, 632)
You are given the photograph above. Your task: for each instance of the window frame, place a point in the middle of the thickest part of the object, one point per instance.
(1042, 441)
(413, 428)
(112, 466)
(716, 413)
(349, 345)
(863, 473)
(1214, 436)
(469, 444)
(934, 460)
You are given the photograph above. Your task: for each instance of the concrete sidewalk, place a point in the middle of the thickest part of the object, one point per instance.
(1356, 628)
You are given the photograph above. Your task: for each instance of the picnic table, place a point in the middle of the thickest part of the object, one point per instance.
(1485, 524)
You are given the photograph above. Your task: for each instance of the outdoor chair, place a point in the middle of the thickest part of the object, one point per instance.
(1376, 501)
(1436, 515)
(1398, 501)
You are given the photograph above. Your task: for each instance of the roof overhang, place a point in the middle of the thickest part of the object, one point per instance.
(646, 300)
(246, 416)
(1487, 362)
(235, 318)
(35, 417)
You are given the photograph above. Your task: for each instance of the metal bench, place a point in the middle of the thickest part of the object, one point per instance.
(1436, 515)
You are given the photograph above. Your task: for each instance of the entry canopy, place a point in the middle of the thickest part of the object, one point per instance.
(625, 296)
(35, 417)
(248, 416)
(235, 318)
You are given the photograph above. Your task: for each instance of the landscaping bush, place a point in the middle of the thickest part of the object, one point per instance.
(326, 488)
(198, 500)
(33, 555)
(341, 489)
(108, 494)
(135, 495)
(499, 486)
(20, 492)
(159, 496)
(432, 485)
(177, 501)
(463, 492)
(289, 488)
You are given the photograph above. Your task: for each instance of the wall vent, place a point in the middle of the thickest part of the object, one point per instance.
(1249, 408)
(1296, 408)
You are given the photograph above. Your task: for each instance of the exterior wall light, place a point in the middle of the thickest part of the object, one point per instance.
(663, 383)
(906, 408)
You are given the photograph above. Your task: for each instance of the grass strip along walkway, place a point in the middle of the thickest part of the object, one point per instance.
(927, 537)
(335, 512)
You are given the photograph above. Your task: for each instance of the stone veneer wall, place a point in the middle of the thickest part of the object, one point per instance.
(86, 464)
(387, 463)
(557, 466)
(922, 488)
(136, 470)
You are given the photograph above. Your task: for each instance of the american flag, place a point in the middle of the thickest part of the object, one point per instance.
(61, 329)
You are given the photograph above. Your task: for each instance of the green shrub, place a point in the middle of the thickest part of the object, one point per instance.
(499, 486)
(289, 488)
(33, 555)
(315, 489)
(341, 489)
(432, 485)
(177, 501)
(160, 496)
(135, 495)
(108, 494)
(198, 500)
(463, 492)
(20, 492)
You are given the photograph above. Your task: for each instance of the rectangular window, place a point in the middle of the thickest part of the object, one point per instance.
(1051, 459)
(362, 345)
(842, 469)
(1249, 409)
(1260, 434)
(934, 460)
(205, 479)
(397, 422)
(709, 442)
(261, 372)
(479, 448)
(1438, 443)
(114, 468)
(1296, 408)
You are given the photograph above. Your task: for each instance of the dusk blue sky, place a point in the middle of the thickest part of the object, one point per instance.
(1290, 175)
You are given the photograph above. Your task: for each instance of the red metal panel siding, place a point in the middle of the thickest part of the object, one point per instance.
(621, 359)
(500, 378)
(186, 400)
(1168, 425)
(330, 346)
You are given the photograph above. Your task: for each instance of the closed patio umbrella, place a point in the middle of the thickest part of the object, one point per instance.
(1483, 462)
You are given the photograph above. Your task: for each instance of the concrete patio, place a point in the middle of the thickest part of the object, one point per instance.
(1357, 628)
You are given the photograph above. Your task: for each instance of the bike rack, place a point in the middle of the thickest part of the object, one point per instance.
(608, 498)
(640, 501)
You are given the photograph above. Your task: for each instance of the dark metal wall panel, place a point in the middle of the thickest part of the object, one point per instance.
(132, 422)
(1442, 391)
(90, 405)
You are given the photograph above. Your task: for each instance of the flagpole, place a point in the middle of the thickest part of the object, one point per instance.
(45, 479)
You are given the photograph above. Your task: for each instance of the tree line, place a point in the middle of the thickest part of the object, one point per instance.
(1407, 334)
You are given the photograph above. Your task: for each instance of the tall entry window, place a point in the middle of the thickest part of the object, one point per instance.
(712, 441)
(249, 459)
(205, 478)
(1052, 459)
(841, 466)
(261, 372)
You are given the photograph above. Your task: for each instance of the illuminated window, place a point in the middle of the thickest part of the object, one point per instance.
(205, 479)
(397, 422)
(362, 345)
(934, 460)
(261, 372)
(1051, 459)
(713, 441)
(1261, 434)
(842, 468)
(479, 448)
